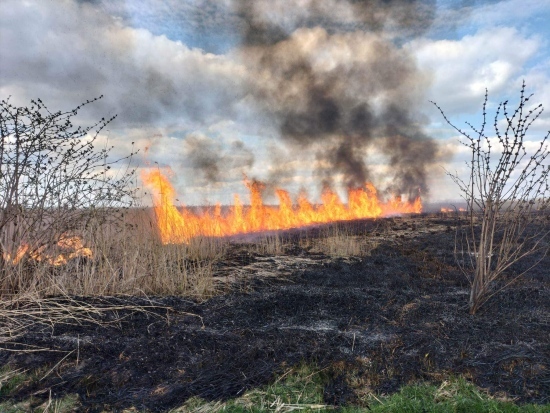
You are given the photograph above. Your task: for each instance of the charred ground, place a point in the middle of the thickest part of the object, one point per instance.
(395, 315)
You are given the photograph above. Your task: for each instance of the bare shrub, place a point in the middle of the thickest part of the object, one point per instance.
(508, 198)
(56, 189)
(54, 183)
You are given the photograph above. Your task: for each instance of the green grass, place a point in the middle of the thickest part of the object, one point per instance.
(300, 389)
(453, 396)
(11, 380)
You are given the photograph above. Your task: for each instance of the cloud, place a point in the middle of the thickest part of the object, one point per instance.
(538, 82)
(72, 52)
(462, 69)
(205, 24)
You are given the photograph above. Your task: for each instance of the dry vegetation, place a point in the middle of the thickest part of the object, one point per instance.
(126, 259)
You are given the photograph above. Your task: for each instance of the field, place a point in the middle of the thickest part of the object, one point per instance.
(351, 311)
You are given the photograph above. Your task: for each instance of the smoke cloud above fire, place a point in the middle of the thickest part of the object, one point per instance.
(332, 76)
(213, 160)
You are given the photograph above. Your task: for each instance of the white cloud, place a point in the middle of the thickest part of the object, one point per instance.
(65, 53)
(462, 69)
(497, 59)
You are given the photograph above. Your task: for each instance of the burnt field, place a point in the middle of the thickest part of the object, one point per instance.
(378, 303)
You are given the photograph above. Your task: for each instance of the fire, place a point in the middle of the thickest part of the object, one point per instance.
(446, 210)
(71, 246)
(180, 225)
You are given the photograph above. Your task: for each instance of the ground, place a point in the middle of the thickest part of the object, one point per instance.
(394, 314)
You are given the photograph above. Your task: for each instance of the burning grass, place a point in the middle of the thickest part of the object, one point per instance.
(132, 259)
(126, 259)
(182, 225)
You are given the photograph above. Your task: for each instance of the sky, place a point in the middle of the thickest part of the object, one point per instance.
(299, 94)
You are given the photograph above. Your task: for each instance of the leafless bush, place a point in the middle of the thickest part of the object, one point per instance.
(54, 182)
(508, 199)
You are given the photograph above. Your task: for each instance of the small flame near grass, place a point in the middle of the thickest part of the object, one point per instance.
(70, 245)
(448, 210)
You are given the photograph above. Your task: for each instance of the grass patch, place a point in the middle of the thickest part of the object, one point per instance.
(340, 241)
(11, 380)
(453, 396)
(301, 389)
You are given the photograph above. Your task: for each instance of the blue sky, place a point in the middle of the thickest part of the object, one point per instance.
(278, 90)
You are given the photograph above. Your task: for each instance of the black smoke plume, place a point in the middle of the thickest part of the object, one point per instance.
(212, 160)
(334, 76)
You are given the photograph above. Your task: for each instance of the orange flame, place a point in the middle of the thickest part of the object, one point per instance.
(179, 226)
(446, 210)
(71, 246)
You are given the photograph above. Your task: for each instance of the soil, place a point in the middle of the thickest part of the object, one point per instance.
(395, 316)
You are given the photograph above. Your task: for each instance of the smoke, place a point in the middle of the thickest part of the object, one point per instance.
(267, 22)
(333, 78)
(212, 160)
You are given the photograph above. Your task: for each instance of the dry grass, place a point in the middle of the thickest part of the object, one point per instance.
(126, 260)
(339, 241)
(270, 244)
(130, 259)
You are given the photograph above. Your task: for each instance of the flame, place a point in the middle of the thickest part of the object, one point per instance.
(179, 226)
(18, 256)
(71, 246)
(445, 210)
